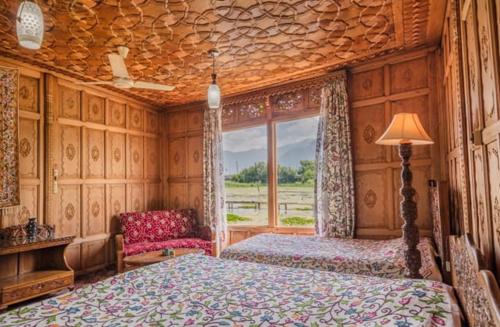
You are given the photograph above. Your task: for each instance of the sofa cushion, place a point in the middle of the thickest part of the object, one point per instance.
(157, 226)
(191, 243)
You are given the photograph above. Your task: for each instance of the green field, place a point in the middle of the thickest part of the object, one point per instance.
(295, 204)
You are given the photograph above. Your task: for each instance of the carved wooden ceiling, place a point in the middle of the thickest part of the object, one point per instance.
(262, 42)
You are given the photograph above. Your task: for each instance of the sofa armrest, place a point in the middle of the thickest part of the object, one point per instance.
(119, 245)
(206, 233)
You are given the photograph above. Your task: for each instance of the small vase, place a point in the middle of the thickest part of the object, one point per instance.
(32, 228)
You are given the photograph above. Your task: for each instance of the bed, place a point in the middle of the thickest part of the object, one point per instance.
(200, 290)
(382, 258)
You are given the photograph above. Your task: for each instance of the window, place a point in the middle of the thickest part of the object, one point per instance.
(271, 188)
(296, 151)
(245, 173)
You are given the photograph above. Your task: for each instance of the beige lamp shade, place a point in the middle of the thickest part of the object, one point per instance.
(405, 128)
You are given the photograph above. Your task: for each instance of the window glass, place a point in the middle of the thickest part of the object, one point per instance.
(296, 149)
(245, 173)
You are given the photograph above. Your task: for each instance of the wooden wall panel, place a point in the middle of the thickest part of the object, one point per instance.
(472, 79)
(31, 149)
(183, 165)
(103, 153)
(378, 90)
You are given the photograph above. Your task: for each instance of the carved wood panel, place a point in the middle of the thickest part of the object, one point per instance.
(195, 120)
(368, 125)
(261, 43)
(93, 108)
(135, 157)
(116, 155)
(94, 154)
(177, 122)
(177, 157)
(70, 151)
(409, 75)
(28, 94)
(101, 164)
(70, 103)
(178, 195)
(28, 148)
(116, 205)
(366, 85)
(152, 158)
(94, 215)
(136, 197)
(195, 156)
(372, 200)
(494, 195)
(195, 194)
(151, 122)
(117, 113)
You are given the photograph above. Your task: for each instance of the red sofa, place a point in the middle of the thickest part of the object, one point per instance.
(156, 230)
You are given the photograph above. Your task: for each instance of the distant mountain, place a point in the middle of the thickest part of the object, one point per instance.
(288, 155)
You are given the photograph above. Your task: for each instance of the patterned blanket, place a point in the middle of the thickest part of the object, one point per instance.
(197, 290)
(382, 258)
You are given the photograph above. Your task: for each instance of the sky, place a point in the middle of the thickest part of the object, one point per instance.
(256, 137)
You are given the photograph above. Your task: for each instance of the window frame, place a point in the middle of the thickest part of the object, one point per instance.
(270, 122)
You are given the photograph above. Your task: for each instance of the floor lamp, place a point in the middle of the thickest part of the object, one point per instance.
(406, 130)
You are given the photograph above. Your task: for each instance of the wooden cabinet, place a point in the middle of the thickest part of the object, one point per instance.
(30, 268)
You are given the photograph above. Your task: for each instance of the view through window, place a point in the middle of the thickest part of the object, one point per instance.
(246, 173)
(245, 170)
(296, 151)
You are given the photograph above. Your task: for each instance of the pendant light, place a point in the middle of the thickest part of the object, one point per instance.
(29, 25)
(213, 94)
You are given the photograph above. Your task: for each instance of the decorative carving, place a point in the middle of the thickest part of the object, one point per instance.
(367, 84)
(24, 147)
(466, 262)
(117, 155)
(315, 95)
(407, 75)
(287, 102)
(484, 48)
(252, 110)
(177, 157)
(370, 199)
(413, 259)
(266, 41)
(9, 155)
(137, 205)
(196, 156)
(135, 156)
(95, 209)
(24, 92)
(70, 151)
(369, 134)
(69, 211)
(94, 153)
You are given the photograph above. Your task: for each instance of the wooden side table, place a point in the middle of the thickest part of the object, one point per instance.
(147, 258)
(31, 268)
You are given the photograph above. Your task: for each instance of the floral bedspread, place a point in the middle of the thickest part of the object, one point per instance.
(198, 290)
(382, 258)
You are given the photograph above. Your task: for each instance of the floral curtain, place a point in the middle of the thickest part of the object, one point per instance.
(334, 187)
(213, 175)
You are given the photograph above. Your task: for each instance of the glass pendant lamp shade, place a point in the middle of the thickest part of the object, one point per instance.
(29, 25)
(213, 96)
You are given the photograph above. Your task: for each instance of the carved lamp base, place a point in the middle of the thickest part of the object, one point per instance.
(413, 259)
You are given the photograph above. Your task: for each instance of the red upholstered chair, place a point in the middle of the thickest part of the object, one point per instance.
(157, 230)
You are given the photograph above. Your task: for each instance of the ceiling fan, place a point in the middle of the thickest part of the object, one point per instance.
(121, 78)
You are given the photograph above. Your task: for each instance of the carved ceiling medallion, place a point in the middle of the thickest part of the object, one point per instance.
(261, 42)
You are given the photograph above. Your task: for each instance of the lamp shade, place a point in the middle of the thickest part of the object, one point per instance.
(29, 26)
(405, 128)
(213, 96)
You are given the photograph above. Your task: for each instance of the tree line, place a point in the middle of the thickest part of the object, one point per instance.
(286, 175)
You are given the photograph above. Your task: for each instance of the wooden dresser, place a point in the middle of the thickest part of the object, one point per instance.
(33, 267)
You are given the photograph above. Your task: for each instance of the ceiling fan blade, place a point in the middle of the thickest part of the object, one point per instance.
(118, 65)
(96, 83)
(153, 86)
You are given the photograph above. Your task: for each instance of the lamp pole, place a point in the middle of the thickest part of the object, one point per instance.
(411, 236)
